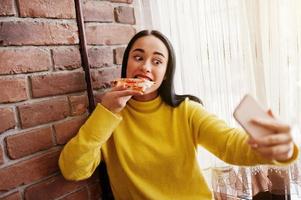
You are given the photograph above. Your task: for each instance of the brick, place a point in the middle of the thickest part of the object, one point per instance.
(1, 156)
(47, 8)
(37, 33)
(12, 90)
(95, 191)
(118, 55)
(26, 172)
(78, 195)
(124, 14)
(52, 188)
(101, 79)
(66, 58)
(13, 196)
(109, 34)
(43, 112)
(24, 60)
(64, 131)
(54, 84)
(7, 119)
(7, 8)
(29, 142)
(79, 104)
(98, 11)
(122, 1)
(100, 57)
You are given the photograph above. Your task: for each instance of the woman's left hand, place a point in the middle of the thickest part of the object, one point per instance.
(278, 146)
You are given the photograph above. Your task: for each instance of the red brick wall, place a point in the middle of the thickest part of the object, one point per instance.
(42, 88)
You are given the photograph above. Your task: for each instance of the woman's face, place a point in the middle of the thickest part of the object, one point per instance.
(148, 59)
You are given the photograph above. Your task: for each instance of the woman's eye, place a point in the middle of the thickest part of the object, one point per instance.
(138, 58)
(157, 62)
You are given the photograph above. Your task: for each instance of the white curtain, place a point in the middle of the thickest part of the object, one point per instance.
(226, 48)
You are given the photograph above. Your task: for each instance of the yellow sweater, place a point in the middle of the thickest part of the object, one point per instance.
(150, 149)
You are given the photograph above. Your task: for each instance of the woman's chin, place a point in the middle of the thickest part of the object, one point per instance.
(146, 96)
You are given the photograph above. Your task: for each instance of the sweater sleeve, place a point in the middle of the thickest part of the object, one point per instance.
(228, 144)
(82, 154)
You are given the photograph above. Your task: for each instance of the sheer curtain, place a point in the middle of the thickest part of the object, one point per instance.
(226, 48)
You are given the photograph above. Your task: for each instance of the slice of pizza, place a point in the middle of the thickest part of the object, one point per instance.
(138, 84)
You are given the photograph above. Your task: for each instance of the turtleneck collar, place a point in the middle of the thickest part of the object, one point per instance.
(145, 106)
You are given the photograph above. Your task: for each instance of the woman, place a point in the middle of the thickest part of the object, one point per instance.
(149, 141)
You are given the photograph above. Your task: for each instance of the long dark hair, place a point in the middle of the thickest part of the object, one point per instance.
(166, 90)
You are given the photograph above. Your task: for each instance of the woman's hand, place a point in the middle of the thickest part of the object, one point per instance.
(278, 146)
(115, 100)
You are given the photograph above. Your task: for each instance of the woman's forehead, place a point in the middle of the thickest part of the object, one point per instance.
(150, 44)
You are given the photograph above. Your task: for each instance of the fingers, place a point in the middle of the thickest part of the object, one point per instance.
(271, 140)
(127, 92)
(116, 99)
(119, 87)
(279, 152)
(273, 125)
(277, 146)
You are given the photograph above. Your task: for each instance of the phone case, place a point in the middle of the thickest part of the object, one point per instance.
(247, 109)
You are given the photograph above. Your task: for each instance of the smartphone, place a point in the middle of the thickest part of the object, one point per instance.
(247, 109)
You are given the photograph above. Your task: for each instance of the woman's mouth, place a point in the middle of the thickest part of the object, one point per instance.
(143, 77)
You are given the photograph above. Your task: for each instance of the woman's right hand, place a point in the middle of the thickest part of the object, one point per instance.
(116, 99)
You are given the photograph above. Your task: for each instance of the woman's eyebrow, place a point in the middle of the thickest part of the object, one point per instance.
(159, 53)
(138, 49)
(142, 51)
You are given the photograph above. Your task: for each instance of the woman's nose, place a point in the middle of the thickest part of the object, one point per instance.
(146, 67)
